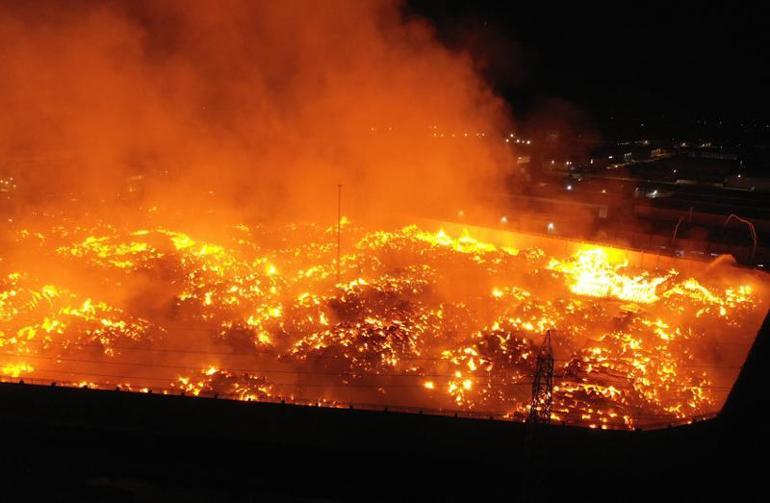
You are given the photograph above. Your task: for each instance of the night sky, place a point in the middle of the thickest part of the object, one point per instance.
(657, 63)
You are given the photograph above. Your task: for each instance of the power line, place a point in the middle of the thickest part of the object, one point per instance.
(267, 384)
(596, 422)
(231, 369)
(255, 352)
(251, 370)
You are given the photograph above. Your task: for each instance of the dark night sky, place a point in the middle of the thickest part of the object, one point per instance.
(655, 62)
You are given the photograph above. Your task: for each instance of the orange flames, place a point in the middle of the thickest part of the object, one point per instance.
(420, 319)
(593, 274)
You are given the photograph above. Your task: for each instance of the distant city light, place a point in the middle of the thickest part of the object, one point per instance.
(551, 227)
(504, 220)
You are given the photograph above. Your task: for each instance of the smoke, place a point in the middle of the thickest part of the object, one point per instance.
(255, 108)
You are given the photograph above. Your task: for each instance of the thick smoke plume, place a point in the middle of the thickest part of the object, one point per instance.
(262, 107)
(134, 132)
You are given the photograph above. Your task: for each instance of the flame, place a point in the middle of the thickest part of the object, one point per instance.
(396, 326)
(591, 273)
(16, 369)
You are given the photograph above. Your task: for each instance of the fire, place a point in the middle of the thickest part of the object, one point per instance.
(434, 320)
(16, 369)
(463, 244)
(592, 273)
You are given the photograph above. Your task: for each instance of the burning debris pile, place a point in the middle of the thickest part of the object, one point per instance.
(416, 319)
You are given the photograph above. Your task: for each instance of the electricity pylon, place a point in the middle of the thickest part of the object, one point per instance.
(542, 385)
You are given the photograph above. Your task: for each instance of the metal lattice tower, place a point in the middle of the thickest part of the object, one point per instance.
(542, 386)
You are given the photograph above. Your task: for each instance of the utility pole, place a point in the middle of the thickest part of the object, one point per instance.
(339, 227)
(534, 453)
(542, 385)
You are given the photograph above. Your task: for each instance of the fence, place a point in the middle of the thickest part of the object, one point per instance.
(646, 424)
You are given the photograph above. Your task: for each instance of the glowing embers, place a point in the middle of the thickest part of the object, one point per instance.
(463, 244)
(431, 320)
(730, 302)
(212, 381)
(103, 250)
(373, 325)
(496, 367)
(646, 369)
(51, 318)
